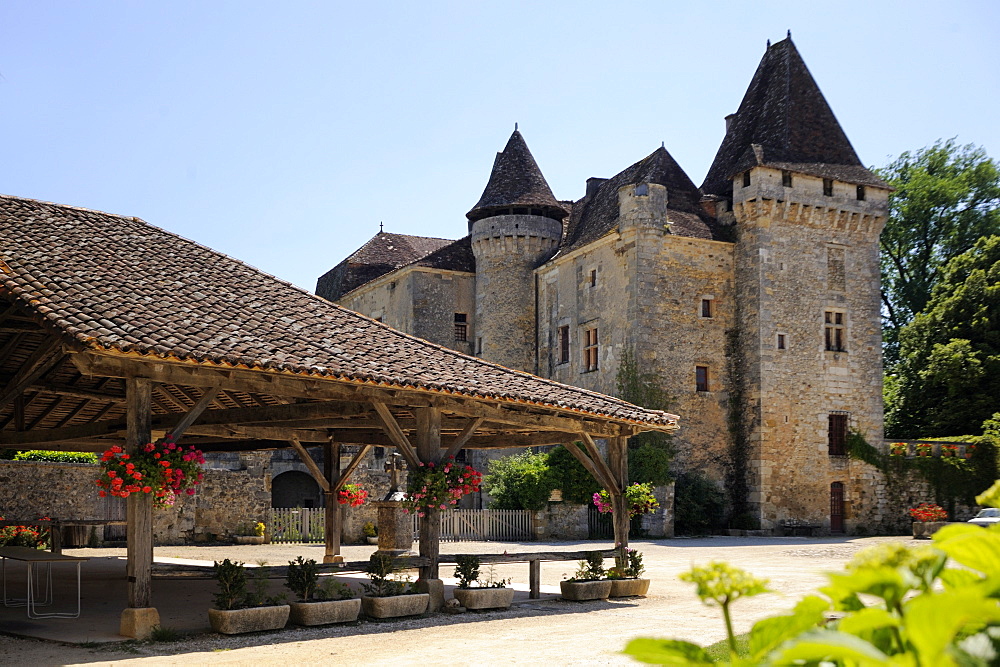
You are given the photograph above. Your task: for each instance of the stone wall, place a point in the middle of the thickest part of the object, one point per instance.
(561, 521)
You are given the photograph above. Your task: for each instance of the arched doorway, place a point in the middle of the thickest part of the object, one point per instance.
(295, 489)
(837, 507)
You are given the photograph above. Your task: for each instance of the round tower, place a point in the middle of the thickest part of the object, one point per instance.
(515, 227)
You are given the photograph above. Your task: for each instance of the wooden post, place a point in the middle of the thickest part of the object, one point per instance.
(139, 506)
(428, 437)
(535, 579)
(332, 525)
(618, 462)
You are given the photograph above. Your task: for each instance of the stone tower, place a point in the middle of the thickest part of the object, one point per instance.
(516, 226)
(806, 344)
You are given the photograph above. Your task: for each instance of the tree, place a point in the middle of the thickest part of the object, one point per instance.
(520, 482)
(650, 453)
(946, 197)
(948, 377)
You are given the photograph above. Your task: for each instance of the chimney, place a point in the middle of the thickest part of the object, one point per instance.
(593, 183)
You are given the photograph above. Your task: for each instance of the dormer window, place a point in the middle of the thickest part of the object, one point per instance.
(642, 190)
(861, 193)
(786, 178)
(827, 187)
(746, 179)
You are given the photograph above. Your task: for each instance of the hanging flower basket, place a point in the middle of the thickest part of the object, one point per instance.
(160, 468)
(352, 494)
(439, 486)
(638, 497)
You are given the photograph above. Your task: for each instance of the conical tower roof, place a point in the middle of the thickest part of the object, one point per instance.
(516, 181)
(784, 122)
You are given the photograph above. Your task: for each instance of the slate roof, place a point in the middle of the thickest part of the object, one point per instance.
(596, 215)
(109, 282)
(383, 253)
(516, 180)
(784, 122)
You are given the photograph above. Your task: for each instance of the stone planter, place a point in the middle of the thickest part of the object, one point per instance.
(253, 619)
(922, 530)
(372, 540)
(484, 598)
(395, 605)
(623, 588)
(325, 612)
(585, 590)
(249, 539)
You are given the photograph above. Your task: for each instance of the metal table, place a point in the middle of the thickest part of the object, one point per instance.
(33, 557)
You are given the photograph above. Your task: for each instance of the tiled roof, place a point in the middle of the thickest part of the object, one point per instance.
(784, 122)
(516, 180)
(383, 253)
(456, 256)
(108, 282)
(597, 214)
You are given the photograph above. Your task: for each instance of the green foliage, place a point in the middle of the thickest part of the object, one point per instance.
(946, 197)
(650, 453)
(56, 456)
(740, 449)
(628, 564)
(948, 376)
(302, 578)
(369, 529)
(520, 482)
(897, 605)
(385, 578)
(699, 505)
(160, 633)
(466, 570)
(591, 569)
(231, 577)
(638, 497)
(577, 485)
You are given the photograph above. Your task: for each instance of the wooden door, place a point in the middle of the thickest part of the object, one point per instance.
(837, 507)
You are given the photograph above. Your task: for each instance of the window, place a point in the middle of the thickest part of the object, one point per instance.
(563, 345)
(746, 179)
(836, 433)
(642, 190)
(786, 178)
(781, 341)
(701, 378)
(590, 349)
(461, 327)
(593, 277)
(706, 307)
(828, 187)
(861, 193)
(479, 344)
(834, 331)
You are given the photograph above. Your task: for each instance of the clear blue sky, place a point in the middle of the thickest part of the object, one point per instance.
(281, 133)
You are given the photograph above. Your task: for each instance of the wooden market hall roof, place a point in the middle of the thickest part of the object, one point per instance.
(89, 298)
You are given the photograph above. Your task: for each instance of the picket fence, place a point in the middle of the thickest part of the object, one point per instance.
(305, 525)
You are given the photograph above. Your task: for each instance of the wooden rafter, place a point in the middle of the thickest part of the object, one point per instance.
(345, 474)
(192, 415)
(308, 460)
(396, 434)
(463, 437)
(41, 361)
(610, 481)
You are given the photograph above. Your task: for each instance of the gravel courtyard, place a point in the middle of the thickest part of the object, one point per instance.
(549, 631)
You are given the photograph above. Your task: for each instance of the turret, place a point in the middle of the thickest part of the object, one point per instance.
(515, 227)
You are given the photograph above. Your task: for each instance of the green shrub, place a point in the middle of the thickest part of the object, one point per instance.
(520, 482)
(699, 505)
(57, 457)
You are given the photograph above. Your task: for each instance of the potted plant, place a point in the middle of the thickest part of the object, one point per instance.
(638, 497)
(588, 583)
(158, 468)
(476, 593)
(388, 594)
(249, 532)
(318, 604)
(928, 518)
(239, 608)
(625, 575)
(370, 531)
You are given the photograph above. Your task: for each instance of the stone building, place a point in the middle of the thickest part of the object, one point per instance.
(755, 297)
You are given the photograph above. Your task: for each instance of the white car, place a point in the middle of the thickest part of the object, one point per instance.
(986, 517)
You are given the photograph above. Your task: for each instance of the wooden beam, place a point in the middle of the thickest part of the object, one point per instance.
(308, 460)
(73, 392)
(139, 506)
(587, 463)
(395, 433)
(72, 414)
(170, 398)
(621, 512)
(192, 415)
(55, 403)
(428, 437)
(602, 466)
(345, 475)
(258, 432)
(463, 437)
(332, 525)
(42, 360)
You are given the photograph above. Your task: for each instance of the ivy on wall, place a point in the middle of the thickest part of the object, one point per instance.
(739, 451)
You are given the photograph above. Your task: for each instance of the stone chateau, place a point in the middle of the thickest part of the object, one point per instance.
(755, 297)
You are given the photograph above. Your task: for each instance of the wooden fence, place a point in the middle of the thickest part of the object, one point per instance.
(483, 526)
(296, 524)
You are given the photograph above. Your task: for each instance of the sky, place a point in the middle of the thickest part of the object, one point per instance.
(284, 133)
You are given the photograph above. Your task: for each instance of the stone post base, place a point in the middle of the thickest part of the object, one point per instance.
(138, 622)
(335, 559)
(436, 589)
